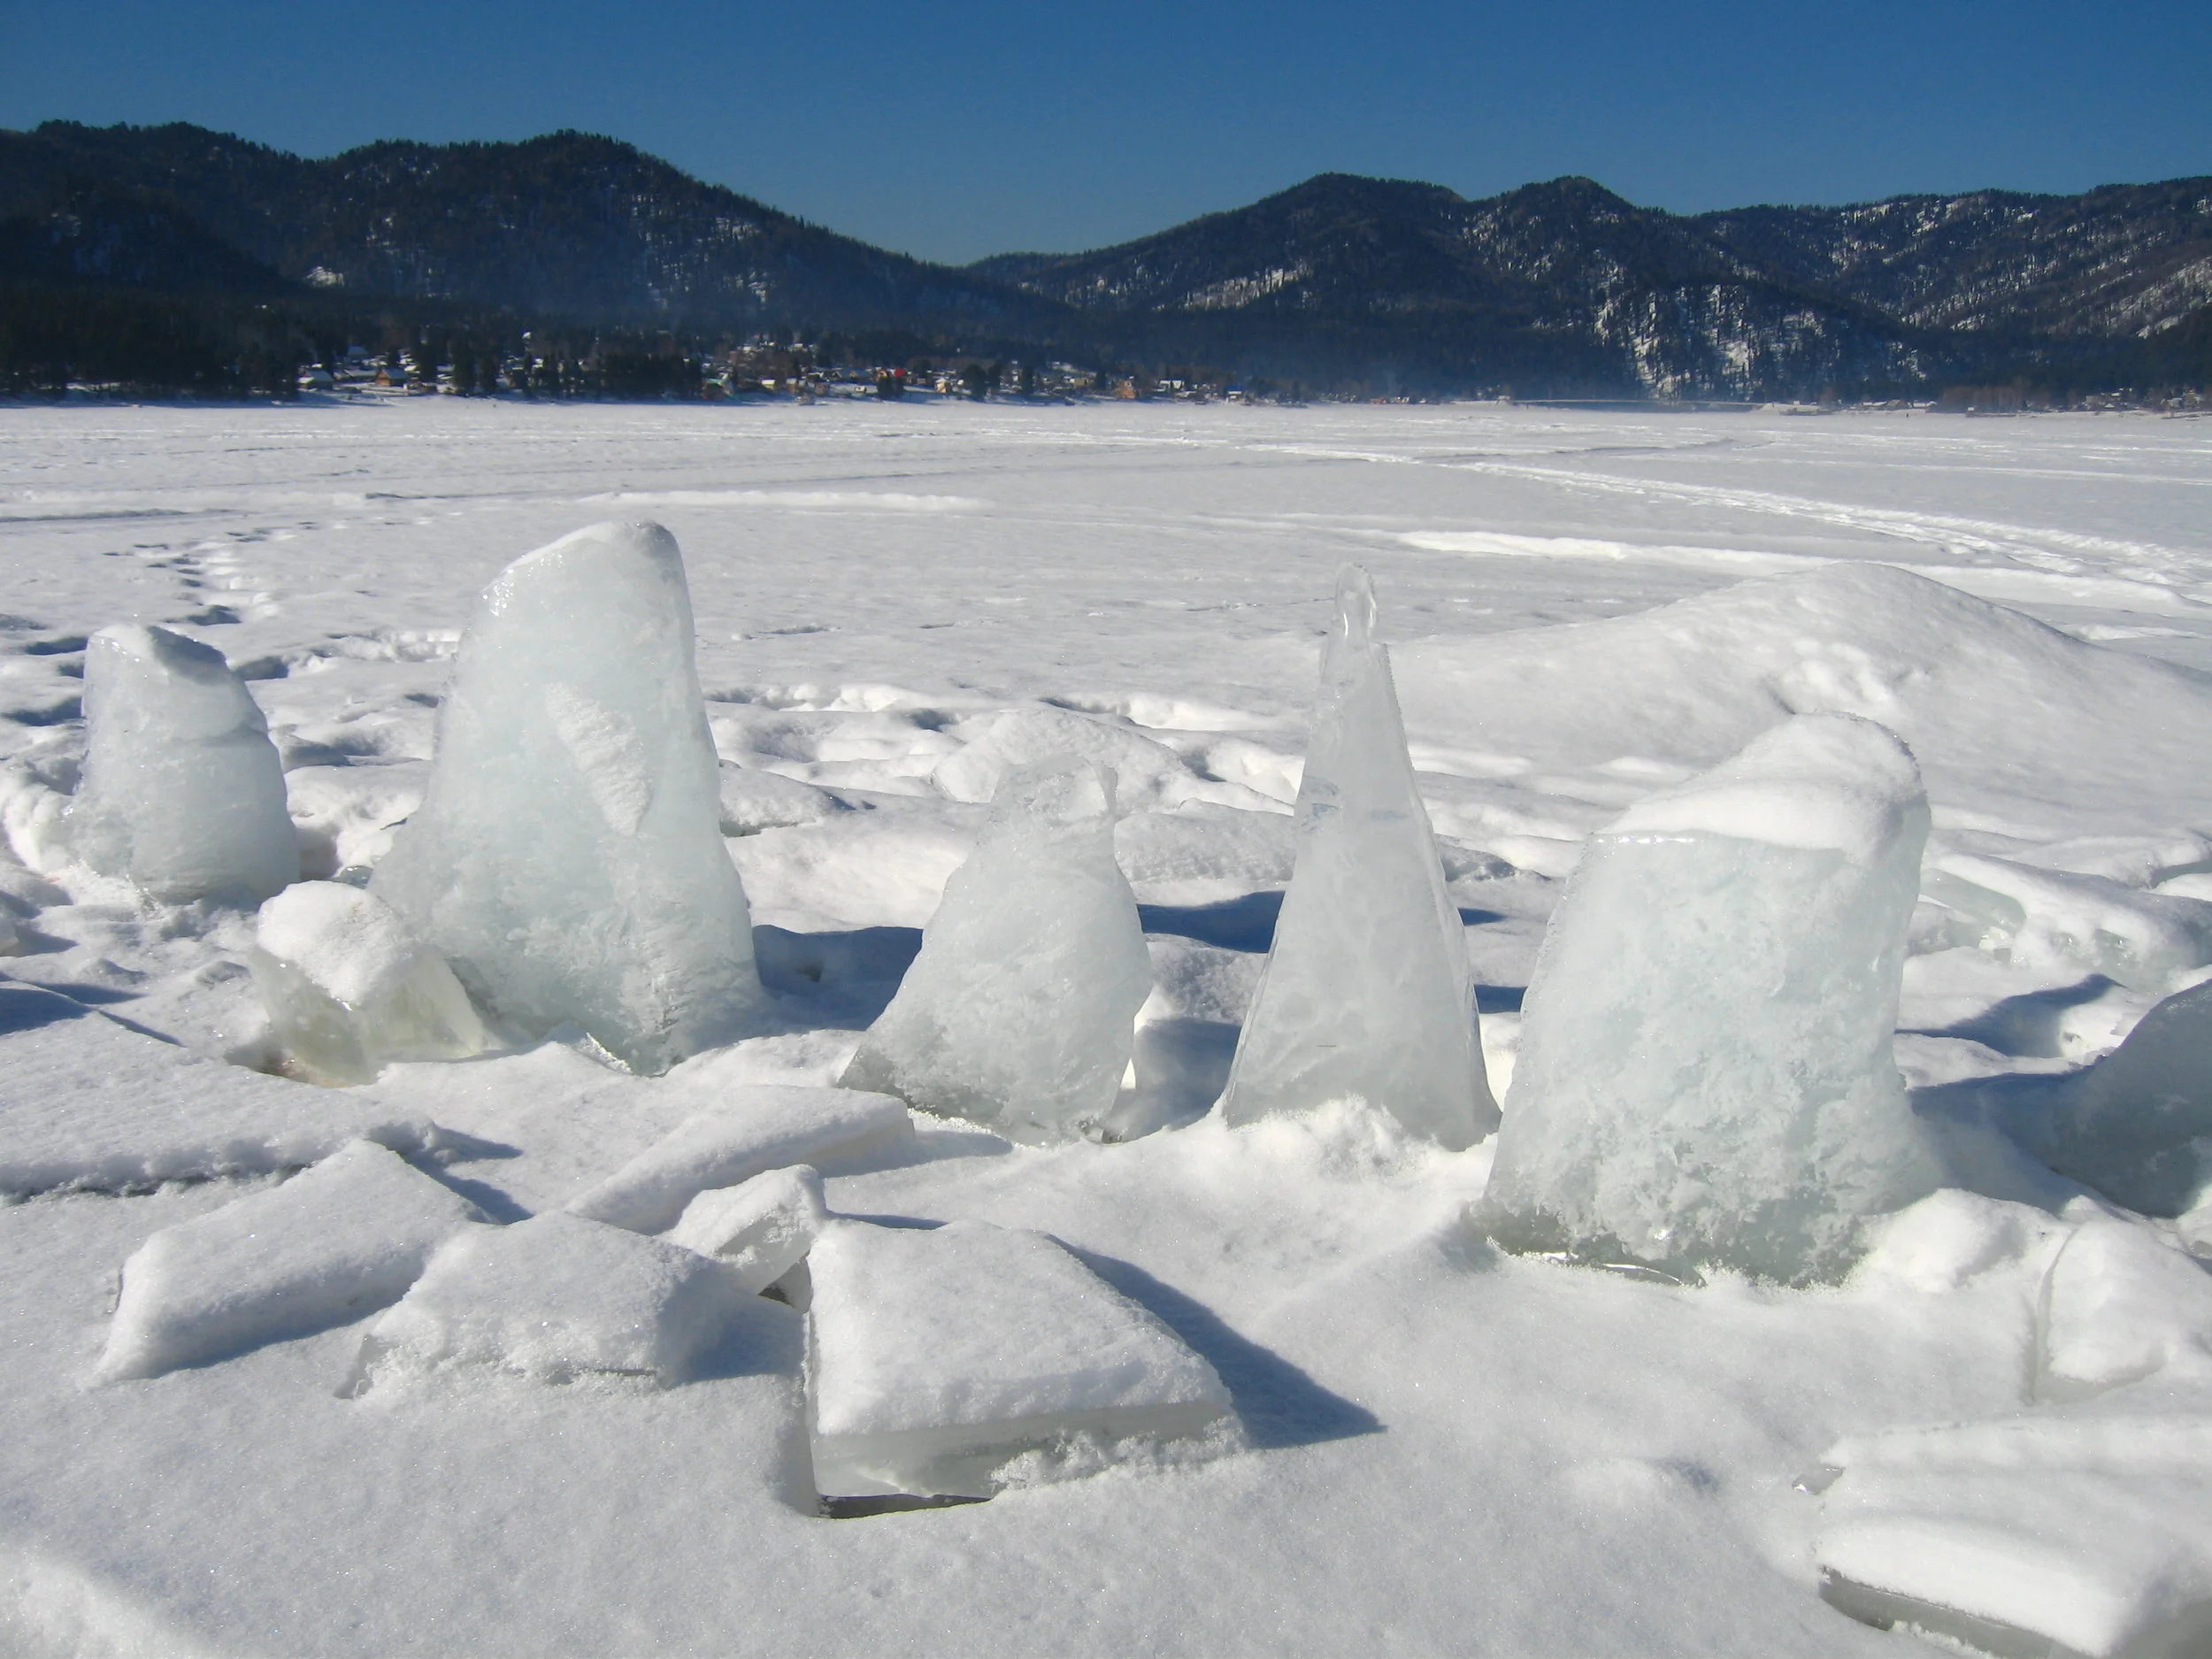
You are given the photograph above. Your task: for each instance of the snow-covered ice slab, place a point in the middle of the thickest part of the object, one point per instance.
(761, 1127)
(1020, 1012)
(2081, 1533)
(85, 1103)
(1705, 1075)
(2121, 1304)
(567, 860)
(1366, 992)
(761, 1228)
(554, 1297)
(2047, 916)
(182, 791)
(348, 986)
(333, 1243)
(939, 1355)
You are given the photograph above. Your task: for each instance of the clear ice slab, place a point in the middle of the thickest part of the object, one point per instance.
(1020, 1012)
(1705, 1075)
(1366, 994)
(567, 860)
(182, 791)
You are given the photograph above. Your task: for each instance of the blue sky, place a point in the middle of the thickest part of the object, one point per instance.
(954, 130)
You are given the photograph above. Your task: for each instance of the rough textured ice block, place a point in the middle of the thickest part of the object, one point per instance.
(567, 860)
(764, 1126)
(2137, 1124)
(1020, 1011)
(333, 1243)
(1366, 992)
(1705, 1074)
(348, 987)
(555, 1296)
(182, 791)
(761, 1229)
(88, 1103)
(2048, 1534)
(940, 1355)
(2119, 1304)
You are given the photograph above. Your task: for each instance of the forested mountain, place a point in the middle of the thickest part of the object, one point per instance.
(1339, 283)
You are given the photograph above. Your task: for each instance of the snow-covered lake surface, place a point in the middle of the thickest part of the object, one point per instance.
(1437, 1447)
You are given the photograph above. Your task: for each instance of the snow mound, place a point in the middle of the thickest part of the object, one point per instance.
(336, 1242)
(939, 1355)
(1366, 992)
(567, 860)
(348, 986)
(182, 791)
(554, 1297)
(2119, 1304)
(1018, 1011)
(1985, 696)
(1705, 1073)
(763, 1127)
(762, 1228)
(89, 1104)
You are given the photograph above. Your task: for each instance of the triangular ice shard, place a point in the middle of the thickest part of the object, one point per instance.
(568, 859)
(183, 793)
(1366, 992)
(1020, 1011)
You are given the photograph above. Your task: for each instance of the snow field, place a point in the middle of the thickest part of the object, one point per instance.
(1569, 1462)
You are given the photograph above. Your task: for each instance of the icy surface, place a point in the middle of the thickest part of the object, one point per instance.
(940, 1355)
(182, 791)
(761, 1228)
(568, 860)
(1366, 994)
(1704, 1075)
(88, 1104)
(553, 1298)
(876, 589)
(348, 986)
(1018, 1013)
(332, 1244)
(755, 1129)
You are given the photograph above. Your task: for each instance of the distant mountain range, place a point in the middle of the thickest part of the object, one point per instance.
(1560, 289)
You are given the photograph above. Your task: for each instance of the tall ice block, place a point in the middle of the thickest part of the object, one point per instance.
(182, 791)
(1705, 1075)
(1366, 991)
(567, 860)
(1020, 1011)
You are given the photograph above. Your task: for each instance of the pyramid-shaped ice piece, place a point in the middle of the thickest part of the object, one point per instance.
(182, 791)
(1020, 1011)
(1366, 991)
(567, 860)
(939, 1355)
(1705, 1074)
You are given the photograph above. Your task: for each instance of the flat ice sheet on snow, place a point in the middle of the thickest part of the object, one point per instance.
(85, 1103)
(940, 1355)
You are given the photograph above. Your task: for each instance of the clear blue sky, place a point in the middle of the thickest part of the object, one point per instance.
(953, 130)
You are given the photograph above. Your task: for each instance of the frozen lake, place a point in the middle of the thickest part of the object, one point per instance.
(1444, 1448)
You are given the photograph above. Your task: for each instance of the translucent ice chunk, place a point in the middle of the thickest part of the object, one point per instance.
(348, 987)
(332, 1244)
(1019, 1011)
(568, 861)
(1366, 992)
(762, 1229)
(555, 1296)
(1705, 1073)
(182, 791)
(761, 1127)
(940, 1355)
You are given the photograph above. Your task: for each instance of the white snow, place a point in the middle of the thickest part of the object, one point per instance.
(762, 1228)
(755, 1129)
(1019, 1011)
(181, 792)
(567, 860)
(939, 1355)
(1367, 995)
(332, 1244)
(1439, 1447)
